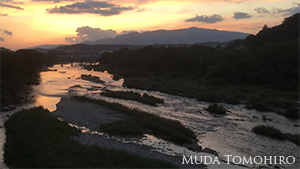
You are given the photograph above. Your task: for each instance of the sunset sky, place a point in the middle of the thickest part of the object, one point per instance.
(28, 23)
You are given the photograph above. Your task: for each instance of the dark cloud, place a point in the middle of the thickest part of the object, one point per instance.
(17, 2)
(261, 10)
(90, 34)
(289, 11)
(11, 6)
(3, 14)
(1, 39)
(54, 1)
(95, 7)
(207, 19)
(278, 11)
(137, 2)
(143, 1)
(241, 15)
(7, 32)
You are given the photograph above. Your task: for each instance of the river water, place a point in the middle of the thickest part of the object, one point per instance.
(228, 135)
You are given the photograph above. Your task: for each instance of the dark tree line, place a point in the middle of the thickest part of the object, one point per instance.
(288, 30)
(19, 69)
(273, 65)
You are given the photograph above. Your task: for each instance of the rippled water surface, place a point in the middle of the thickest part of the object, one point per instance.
(228, 135)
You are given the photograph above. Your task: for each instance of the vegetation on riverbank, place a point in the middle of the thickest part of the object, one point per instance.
(271, 131)
(264, 77)
(128, 126)
(130, 95)
(91, 78)
(18, 70)
(217, 109)
(167, 129)
(36, 139)
(185, 84)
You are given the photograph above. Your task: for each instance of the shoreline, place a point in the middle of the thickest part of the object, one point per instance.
(90, 116)
(4, 115)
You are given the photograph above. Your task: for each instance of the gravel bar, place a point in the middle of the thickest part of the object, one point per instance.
(89, 115)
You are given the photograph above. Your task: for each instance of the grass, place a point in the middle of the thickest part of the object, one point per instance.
(130, 95)
(167, 129)
(269, 131)
(123, 127)
(36, 139)
(91, 78)
(217, 109)
(272, 132)
(294, 138)
(292, 112)
(116, 77)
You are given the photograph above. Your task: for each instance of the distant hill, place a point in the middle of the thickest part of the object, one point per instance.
(5, 49)
(47, 46)
(44, 48)
(181, 36)
(88, 48)
(135, 40)
(287, 30)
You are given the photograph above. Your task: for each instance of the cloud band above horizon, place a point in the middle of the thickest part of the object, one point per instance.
(94, 7)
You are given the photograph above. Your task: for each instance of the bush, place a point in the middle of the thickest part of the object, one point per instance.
(126, 127)
(91, 78)
(258, 103)
(269, 131)
(217, 109)
(294, 138)
(292, 112)
(116, 77)
(130, 95)
(148, 98)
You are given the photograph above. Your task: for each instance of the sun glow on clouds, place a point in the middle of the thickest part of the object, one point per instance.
(51, 21)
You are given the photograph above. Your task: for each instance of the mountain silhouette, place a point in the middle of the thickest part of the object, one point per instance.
(187, 36)
(287, 30)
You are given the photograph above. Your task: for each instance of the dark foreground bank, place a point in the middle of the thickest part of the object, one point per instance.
(36, 139)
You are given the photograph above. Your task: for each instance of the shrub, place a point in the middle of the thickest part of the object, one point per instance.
(217, 109)
(295, 139)
(127, 127)
(292, 112)
(116, 77)
(130, 95)
(269, 131)
(148, 98)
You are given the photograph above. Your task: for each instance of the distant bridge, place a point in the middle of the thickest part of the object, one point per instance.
(82, 60)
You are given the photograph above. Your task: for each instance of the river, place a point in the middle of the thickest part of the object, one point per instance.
(228, 135)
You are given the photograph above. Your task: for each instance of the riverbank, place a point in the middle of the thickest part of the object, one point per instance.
(188, 84)
(89, 117)
(36, 139)
(2, 141)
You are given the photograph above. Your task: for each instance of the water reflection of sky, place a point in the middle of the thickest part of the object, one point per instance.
(230, 134)
(56, 83)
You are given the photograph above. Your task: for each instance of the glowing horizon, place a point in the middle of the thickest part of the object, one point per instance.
(31, 23)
